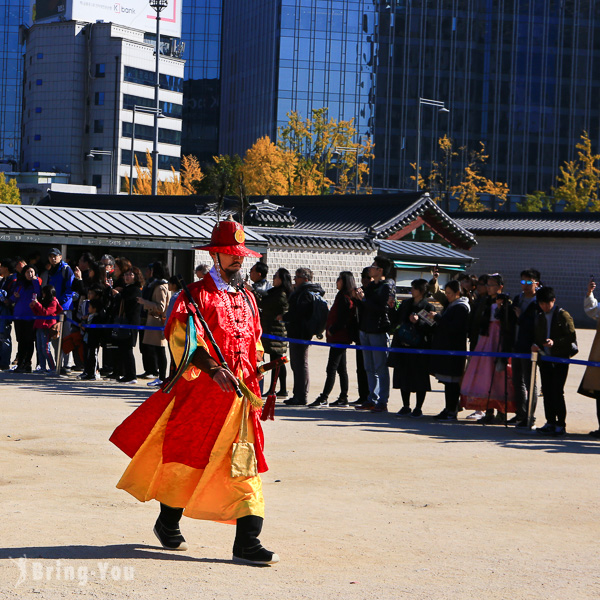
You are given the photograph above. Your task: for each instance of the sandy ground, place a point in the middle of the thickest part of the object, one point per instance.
(359, 506)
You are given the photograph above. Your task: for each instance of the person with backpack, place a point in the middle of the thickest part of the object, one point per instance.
(305, 318)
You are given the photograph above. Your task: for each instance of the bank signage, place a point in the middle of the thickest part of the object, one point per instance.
(132, 13)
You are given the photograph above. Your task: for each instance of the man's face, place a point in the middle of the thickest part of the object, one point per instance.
(254, 275)
(4, 271)
(20, 266)
(298, 280)
(528, 285)
(83, 264)
(230, 264)
(54, 259)
(547, 306)
(375, 272)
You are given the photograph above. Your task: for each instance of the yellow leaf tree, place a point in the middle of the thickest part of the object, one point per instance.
(579, 179)
(474, 184)
(180, 184)
(9, 192)
(313, 142)
(267, 169)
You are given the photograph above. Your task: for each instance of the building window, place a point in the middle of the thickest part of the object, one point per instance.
(97, 181)
(169, 109)
(38, 109)
(100, 69)
(143, 77)
(38, 82)
(99, 99)
(37, 137)
(99, 126)
(40, 55)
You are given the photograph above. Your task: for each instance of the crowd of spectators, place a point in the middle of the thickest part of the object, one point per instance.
(467, 312)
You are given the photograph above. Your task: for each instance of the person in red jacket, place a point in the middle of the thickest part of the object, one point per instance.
(341, 328)
(47, 306)
(181, 441)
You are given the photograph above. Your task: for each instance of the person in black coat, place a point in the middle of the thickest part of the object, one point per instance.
(450, 333)
(272, 305)
(128, 311)
(411, 371)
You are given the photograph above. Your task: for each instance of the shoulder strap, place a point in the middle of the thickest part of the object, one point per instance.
(248, 301)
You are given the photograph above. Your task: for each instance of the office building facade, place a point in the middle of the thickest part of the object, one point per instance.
(522, 77)
(81, 83)
(12, 15)
(282, 55)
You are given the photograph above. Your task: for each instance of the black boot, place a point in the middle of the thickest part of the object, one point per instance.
(166, 528)
(247, 548)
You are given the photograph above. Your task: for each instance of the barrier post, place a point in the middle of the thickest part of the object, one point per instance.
(61, 321)
(534, 359)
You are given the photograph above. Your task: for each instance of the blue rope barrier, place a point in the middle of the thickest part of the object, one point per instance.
(431, 352)
(96, 326)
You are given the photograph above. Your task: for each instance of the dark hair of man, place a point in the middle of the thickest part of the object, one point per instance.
(420, 285)
(48, 293)
(262, 269)
(174, 281)
(532, 274)
(87, 257)
(482, 279)
(203, 269)
(545, 294)
(305, 273)
(9, 264)
(463, 276)
(385, 264)
(286, 280)
(160, 270)
(497, 278)
(453, 285)
(348, 283)
(96, 304)
(108, 258)
(365, 273)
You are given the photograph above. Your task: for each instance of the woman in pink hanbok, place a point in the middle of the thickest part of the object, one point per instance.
(487, 383)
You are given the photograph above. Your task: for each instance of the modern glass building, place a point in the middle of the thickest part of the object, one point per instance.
(521, 76)
(12, 14)
(289, 55)
(201, 33)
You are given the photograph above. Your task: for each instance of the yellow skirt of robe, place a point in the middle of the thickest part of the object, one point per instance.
(211, 493)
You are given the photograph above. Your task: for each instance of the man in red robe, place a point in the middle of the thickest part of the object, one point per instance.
(181, 441)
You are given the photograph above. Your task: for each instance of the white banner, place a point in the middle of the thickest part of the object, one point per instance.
(136, 14)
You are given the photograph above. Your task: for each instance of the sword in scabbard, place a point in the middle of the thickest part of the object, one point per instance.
(192, 303)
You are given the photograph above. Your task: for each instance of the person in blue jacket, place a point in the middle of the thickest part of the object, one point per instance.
(26, 290)
(61, 277)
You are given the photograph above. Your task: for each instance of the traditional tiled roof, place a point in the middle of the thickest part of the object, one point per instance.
(537, 224)
(416, 250)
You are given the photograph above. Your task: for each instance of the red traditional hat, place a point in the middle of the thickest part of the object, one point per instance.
(228, 238)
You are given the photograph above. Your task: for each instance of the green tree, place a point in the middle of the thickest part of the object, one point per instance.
(9, 192)
(536, 202)
(579, 179)
(222, 178)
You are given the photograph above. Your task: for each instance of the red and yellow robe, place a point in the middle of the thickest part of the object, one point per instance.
(180, 443)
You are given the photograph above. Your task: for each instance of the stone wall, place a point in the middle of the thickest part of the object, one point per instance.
(565, 264)
(325, 264)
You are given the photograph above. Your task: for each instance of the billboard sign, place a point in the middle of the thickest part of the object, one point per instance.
(136, 14)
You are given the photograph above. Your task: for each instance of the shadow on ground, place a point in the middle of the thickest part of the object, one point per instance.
(110, 552)
(70, 385)
(447, 432)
